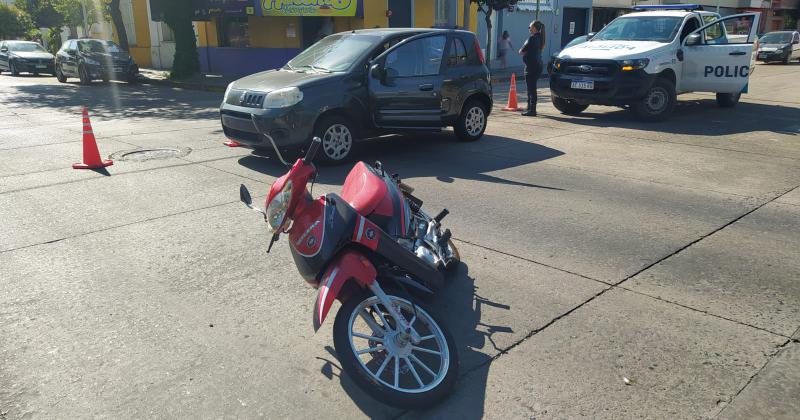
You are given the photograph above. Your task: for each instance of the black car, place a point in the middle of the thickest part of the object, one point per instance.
(361, 84)
(25, 56)
(91, 59)
(782, 46)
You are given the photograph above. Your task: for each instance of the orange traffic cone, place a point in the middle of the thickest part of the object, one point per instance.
(91, 156)
(512, 95)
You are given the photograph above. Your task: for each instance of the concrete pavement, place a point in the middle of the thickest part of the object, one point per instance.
(596, 248)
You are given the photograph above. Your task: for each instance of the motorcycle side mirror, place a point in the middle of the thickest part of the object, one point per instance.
(244, 195)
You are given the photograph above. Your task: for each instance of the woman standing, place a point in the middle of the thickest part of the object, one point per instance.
(503, 47)
(532, 56)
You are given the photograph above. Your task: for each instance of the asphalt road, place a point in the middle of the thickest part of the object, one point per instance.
(596, 248)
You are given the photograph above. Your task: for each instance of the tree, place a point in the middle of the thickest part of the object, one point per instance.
(73, 12)
(111, 10)
(43, 13)
(177, 14)
(14, 24)
(487, 7)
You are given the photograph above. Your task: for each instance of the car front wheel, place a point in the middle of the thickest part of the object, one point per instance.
(568, 107)
(338, 139)
(13, 68)
(60, 75)
(472, 122)
(657, 103)
(83, 74)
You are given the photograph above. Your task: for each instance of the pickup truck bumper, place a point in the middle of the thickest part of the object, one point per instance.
(611, 86)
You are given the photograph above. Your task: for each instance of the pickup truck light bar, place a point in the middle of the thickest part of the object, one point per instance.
(687, 7)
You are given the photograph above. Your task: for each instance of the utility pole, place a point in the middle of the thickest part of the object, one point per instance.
(537, 9)
(85, 20)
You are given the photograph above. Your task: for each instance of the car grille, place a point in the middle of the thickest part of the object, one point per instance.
(596, 68)
(245, 98)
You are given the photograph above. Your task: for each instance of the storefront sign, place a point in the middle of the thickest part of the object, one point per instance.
(207, 9)
(311, 7)
(530, 5)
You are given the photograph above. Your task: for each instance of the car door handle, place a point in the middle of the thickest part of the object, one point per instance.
(426, 87)
(737, 53)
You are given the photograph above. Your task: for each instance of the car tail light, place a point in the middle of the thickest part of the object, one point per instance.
(478, 50)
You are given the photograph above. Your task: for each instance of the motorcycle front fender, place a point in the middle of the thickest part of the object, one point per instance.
(350, 265)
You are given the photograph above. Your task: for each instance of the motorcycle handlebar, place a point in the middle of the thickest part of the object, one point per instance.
(312, 150)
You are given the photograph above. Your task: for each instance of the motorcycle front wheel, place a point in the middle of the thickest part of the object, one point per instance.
(384, 363)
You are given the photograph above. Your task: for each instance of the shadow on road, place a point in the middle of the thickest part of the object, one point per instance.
(699, 117)
(429, 155)
(459, 307)
(113, 99)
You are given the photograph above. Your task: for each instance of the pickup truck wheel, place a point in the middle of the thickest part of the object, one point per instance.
(565, 106)
(657, 103)
(728, 100)
(338, 139)
(472, 122)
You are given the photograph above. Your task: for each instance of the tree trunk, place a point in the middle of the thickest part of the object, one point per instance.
(119, 25)
(178, 15)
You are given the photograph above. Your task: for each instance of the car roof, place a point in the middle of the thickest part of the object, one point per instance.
(781, 32)
(391, 32)
(660, 13)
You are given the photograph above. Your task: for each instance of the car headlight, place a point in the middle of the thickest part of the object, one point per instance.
(637, 64)
(277, 208)
(283, 98)
(227, 92)
(91, 62)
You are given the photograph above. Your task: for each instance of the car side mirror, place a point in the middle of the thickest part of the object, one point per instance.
(693, 39)
(376, 71)
(4, 49)
(796, 41)
(590, 35)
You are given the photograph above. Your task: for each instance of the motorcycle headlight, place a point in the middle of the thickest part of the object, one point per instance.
(283, 98)
(637, 64)
(277, 208)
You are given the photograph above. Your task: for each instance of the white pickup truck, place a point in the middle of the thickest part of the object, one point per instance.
(643, 60)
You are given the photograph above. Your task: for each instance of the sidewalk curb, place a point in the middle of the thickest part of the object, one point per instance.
(182, 85)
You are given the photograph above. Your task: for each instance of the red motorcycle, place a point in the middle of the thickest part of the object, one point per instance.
(376, 251)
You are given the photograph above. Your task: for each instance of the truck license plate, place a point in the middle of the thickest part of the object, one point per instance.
(582, 84)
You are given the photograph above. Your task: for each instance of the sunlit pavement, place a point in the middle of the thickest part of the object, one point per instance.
(613, 269)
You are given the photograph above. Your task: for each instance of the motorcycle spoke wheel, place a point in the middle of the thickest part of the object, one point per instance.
(389, 356)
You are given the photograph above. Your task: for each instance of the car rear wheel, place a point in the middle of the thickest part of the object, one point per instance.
(471, 124)
(60, 75)
(13, 68)
(338, 139)
(728, 100)
(658, 103)
(83, 74)
(565, 106)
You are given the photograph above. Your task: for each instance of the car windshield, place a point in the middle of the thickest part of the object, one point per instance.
(25, 47)
(640, 28)
(334, 53)
(98, 46)
(777, 38)
(579, 40)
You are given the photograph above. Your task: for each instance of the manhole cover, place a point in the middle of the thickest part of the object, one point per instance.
(141, 155)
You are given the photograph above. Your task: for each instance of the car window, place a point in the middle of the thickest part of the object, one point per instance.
(713, 34)
(690, 26)
(335, 52)
(72, 45)
(640, 28)
(25, 47)
(458, 53)
(776, 38)
(420, 57)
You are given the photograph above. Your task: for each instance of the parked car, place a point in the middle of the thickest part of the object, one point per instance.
(91, 59)
(360, 84)
(25, 56)
(782, 46)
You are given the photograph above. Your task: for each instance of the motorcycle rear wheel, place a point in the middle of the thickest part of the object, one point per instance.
(404, 375)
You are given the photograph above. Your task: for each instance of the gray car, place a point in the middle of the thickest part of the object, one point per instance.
(781, 46)
(362, 84)
(25, 56)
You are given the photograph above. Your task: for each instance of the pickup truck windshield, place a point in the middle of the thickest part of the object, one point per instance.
(640, 28)
(334, 53)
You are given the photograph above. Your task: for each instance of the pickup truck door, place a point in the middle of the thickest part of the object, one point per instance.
(719, 56)
(405, 83)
